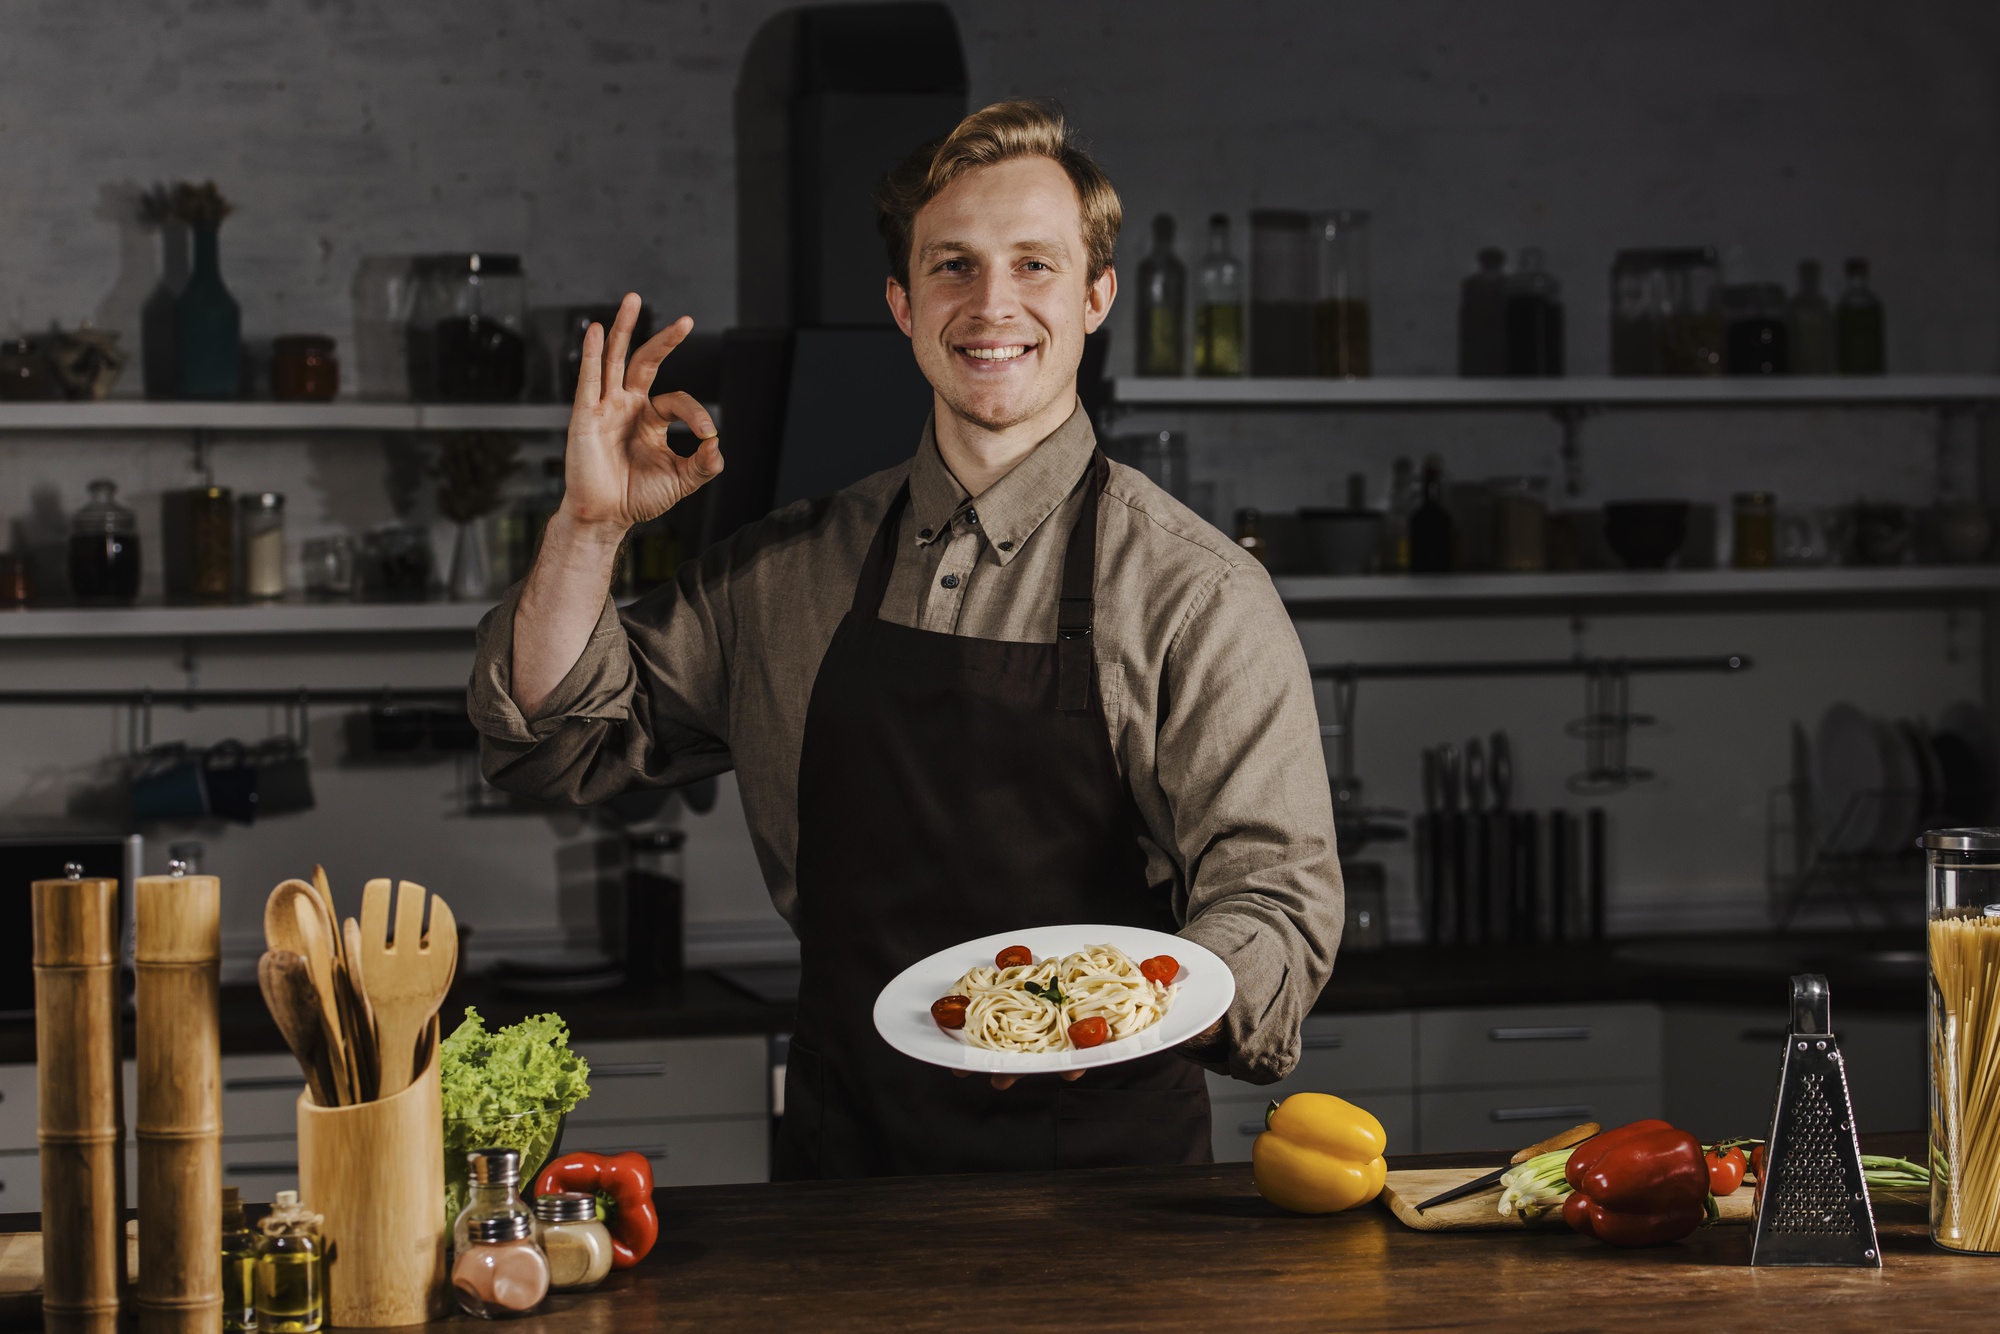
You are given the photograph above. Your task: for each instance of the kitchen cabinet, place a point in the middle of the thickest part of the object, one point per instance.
(1459, 1120)
(1722, 1062)
(698, 1108)
(1520, 1045)
(1368, 1059)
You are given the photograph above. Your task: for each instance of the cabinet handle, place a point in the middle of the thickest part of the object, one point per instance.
(264, 1084)
(1573, 1111)
(631, 1070)
(258, 1169)
(1559, 1033)
(1764, 1035)
(1251, 1127)
(1322, 1041)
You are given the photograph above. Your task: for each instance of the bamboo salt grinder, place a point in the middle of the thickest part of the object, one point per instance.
(82, 1129)
(178, 953)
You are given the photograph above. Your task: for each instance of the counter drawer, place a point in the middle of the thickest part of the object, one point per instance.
(21, 1182)
(18, 1115)
(685, 1077)
(1339, 1054)
(1463, 1120)
(717, 1152)
(1238, 1123)
(260, 1097)
(1568, 1044)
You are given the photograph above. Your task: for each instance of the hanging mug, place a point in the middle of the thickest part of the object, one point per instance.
(232, 782)
(284, 778)
(169, 785)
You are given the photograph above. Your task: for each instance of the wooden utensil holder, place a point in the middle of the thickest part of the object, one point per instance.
(375, 1172)
(81, 1117)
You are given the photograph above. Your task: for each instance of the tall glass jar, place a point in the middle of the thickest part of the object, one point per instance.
(1754, 530)
(1963, 899)
(211, 528)
(498, 1270)
(1340, 315)
(104, 548)
(465, 332)
(1281, 292)
(261, 540)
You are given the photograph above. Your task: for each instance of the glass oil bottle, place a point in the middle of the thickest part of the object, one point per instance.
(239, 1265)
(291, 1270)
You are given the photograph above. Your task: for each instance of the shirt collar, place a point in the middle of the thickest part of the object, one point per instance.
(1012, 508)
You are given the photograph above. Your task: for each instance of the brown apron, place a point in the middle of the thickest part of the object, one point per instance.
(951, 788)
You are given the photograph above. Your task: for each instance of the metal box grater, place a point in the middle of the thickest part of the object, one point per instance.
(1811, 1202)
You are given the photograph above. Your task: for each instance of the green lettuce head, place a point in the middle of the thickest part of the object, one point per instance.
(506, 1090)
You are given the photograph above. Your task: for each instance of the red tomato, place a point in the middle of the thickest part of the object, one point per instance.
(1014, 956)
(1757, 1162)
(1089, 1032)
(1161, 968)
(1725, 1170)
(949, 1011)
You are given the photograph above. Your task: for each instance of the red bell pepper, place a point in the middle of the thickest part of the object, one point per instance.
(624, 1182)
(1644, 1184)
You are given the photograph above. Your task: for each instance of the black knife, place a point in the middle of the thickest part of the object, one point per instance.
(1568, 1139)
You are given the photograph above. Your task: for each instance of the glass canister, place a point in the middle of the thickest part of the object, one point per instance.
(261, 524)
(104, 549)
(211, 535)
(1963, 901)
(575, 1240)
(1281, 292)
(1755, 530)
(303, 368)
(1340, 317)
(465, 333)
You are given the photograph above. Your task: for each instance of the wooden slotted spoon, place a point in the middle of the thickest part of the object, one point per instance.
(316, 945)
(407, 981)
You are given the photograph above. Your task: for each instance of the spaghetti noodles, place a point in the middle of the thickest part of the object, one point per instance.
(1965, 1065)
(1049, 1006)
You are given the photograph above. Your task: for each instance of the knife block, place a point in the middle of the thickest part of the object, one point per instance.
(375, 1174)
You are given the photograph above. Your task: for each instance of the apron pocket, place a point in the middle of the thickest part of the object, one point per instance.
(1128, 1127)
(799, 1133)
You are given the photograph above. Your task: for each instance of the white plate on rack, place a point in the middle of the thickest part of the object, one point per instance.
(903, 1010)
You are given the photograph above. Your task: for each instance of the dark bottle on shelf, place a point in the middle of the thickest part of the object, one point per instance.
(1219, 325)
(104, 549)
(1432, 534)
(1281, 293)
(1250, 535)
(1858, 324)
(1162, 305)
(1482, 317)
(1809, 326)
(1534, 319)
(1754, 335)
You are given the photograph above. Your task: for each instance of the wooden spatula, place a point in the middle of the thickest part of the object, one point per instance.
(317, 950)
(406, 981)
(288, 994)
(361, 1032)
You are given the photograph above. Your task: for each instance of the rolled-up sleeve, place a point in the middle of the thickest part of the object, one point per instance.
(645, 705)
(1241, 765)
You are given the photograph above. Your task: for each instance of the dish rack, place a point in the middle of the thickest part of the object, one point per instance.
(1800, 866)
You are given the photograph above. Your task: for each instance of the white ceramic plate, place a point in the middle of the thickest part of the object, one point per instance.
(903, 1010)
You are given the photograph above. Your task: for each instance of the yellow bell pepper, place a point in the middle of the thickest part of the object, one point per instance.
(1319, 1155)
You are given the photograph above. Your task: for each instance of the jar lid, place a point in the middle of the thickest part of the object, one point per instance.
(566, 1206)
(500, 1227)
(264, 500)
(494, 1167)
(1961, 840)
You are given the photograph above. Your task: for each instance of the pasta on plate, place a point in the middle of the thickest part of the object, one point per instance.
(1084, 999)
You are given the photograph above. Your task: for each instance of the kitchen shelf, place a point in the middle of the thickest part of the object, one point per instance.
(1448, 392)
(140, 415)
(1637, 586)
(281, 618)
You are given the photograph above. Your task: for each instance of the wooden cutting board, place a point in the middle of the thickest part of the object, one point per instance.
(1404, 1191)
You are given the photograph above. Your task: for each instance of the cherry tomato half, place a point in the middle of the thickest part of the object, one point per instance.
(1089, 1032)
(1161, 968)
(949, 1011)
(1014, 956)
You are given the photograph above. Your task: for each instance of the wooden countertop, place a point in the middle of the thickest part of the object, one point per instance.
(1196, 1248)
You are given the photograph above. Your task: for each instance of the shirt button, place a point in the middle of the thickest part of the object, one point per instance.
(1006, 546)
(924, 533)
(972, 516)
(949, 581)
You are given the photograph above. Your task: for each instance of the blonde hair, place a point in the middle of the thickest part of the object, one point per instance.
(998, 133)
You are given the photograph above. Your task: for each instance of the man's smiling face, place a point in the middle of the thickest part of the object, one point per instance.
(999, 298)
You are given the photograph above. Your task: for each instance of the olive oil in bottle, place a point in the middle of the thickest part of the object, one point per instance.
(291, 1274)
(1858, 324)
(239, 1265)
(1218, 318)
(1162, 305)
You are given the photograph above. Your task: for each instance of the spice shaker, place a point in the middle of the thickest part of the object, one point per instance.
(499, 1270)
(291, 1269)
(239, 1265)
(577, 1243)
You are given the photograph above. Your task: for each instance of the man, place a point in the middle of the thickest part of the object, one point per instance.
(1004, 685)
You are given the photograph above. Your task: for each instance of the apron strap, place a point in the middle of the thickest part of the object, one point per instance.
(1075, 612)
(1078, 608)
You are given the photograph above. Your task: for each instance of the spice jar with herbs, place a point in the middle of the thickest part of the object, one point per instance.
(575, 1240)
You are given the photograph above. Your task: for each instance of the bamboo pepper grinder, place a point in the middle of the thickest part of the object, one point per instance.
(178, 954)
(78, 1091)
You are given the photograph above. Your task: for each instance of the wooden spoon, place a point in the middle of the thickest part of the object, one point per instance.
(406, 981)
(361, 1032)
(288, 994)
(281, 930)
(323, 891)
(318, 952)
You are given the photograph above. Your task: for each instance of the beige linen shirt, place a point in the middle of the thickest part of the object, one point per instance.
(1204, 685)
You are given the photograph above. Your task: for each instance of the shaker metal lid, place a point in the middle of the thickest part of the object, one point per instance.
(1961, 840)
(494, 1167)
(566, 1206)
(500, 1227)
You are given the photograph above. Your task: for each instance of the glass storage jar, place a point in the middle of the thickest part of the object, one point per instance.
(1963, 902)
(261, 529)
(1340, 316)
(575, 1240)
(1755, 531)
(465, 334)
(104, 548)
(303, 368)
(1281, 292)
(211, 529)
